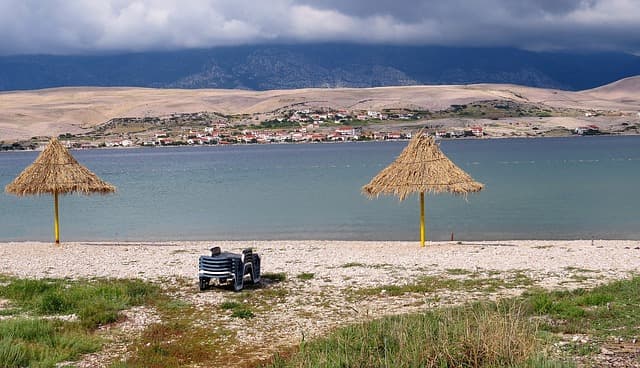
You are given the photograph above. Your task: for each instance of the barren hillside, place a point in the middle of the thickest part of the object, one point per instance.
(24, 114)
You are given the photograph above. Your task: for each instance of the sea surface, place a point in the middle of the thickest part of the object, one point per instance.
(551, 188)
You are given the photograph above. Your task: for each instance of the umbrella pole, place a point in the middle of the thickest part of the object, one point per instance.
(56, 225)
(422, 219)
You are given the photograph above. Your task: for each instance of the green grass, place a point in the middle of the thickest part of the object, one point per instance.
(458, 271)
(9, 311)
(42, 343)
(230, 305)
(176, 343)
(478, 335)
(430, 284)
(578, 269)
(305, 276)
(95, 302)
(353, 264)
(187, 336)
(238, 310)
(513, 333)
(37, 342)
(242, 312)
(275, 277)
(501, 334)
(608, 310)
(191, 336)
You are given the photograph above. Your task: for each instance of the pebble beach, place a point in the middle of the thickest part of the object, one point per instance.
(336, 271)
(380, 261)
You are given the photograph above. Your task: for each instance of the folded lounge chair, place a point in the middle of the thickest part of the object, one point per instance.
(229, 267)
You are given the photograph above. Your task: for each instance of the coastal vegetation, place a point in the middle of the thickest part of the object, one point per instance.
(471, 282)
(477, 335)
(527, 331)
(52, 321)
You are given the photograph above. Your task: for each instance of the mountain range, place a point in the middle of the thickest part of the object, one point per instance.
(268, 67)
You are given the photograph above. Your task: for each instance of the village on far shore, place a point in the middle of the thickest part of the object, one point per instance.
(485, 119)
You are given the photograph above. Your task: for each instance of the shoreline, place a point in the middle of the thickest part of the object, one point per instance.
(343, 142)
(378, 262)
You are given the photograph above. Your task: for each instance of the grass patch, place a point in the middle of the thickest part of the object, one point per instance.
(26, 342)
(176, 343)
(242, 312)
(608, 310)
(305, 276)
(501, 334)
(174, 305)
(458, 271)
(271, 295)
(38, 342)
(9, 311)
(230, 305)
(238, 310)
(430, 284)
(375, 266)
(95, 302)
(578, 269)
(478, 335)
(185, 337)
(353, 264)
(275, 276)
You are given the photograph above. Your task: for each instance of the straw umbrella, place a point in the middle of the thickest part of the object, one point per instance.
(55, 172)
(421, 167)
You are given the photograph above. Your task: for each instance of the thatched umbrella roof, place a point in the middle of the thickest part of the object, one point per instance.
(56, 171)
(421, 168)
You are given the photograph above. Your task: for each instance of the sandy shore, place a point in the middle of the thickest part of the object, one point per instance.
(287, 312)
(376, 262)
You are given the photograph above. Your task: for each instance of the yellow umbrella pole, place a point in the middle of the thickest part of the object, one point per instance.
(422, 219)
(56, 226)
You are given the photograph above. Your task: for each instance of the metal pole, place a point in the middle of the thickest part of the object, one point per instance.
(422, 219)
(56, 225)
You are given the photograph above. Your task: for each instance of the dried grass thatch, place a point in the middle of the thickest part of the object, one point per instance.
(421, 168)
(56, 171)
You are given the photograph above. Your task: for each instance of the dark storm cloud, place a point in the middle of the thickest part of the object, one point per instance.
(421, 9)
(85, 26)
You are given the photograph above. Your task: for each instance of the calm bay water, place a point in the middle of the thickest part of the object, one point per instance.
(565, 188)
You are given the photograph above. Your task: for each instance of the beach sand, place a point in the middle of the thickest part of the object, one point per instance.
(377, 262)
(314, 305)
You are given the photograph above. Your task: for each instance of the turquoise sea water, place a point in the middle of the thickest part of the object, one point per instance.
(565, 188)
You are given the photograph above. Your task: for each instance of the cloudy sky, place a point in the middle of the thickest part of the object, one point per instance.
(90, 26)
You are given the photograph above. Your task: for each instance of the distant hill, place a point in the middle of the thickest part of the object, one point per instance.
(625, 89)
(25, 114)
(269, 67)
